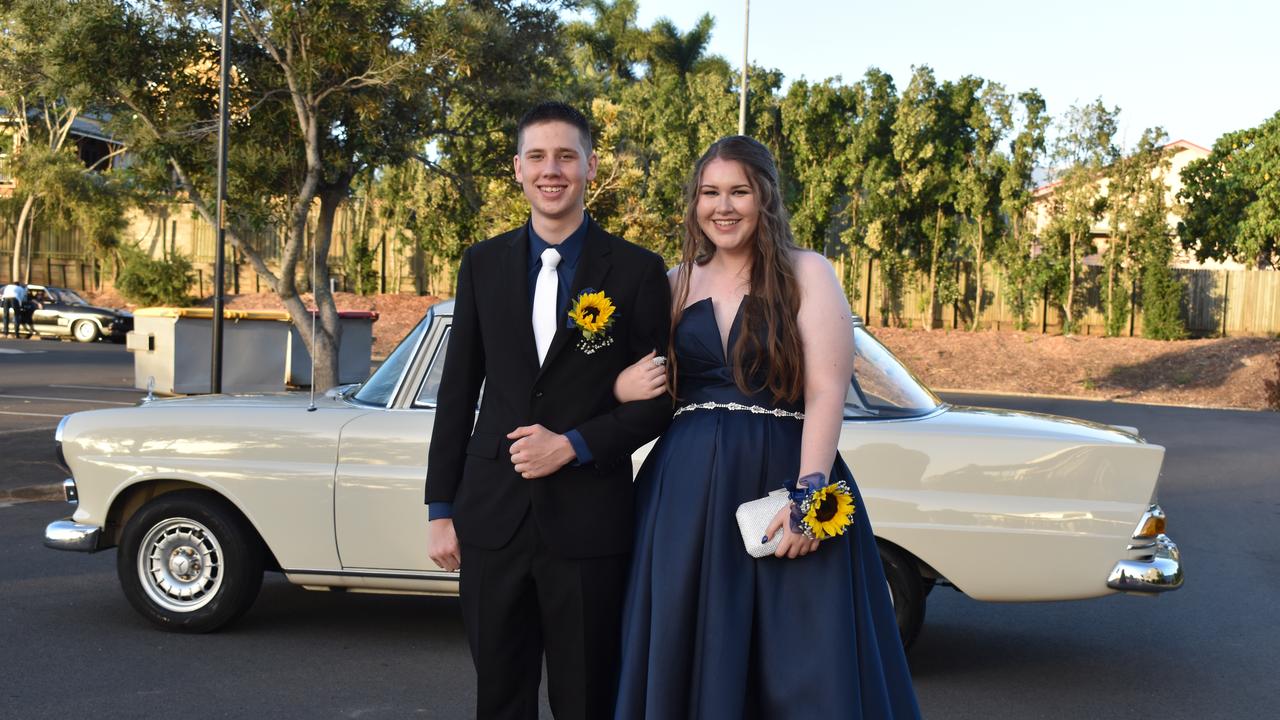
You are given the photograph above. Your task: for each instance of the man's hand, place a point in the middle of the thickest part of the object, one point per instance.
(537, 452)
(442, 544)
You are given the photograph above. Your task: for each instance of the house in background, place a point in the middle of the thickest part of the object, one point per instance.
(92, 142)
(1182, 153)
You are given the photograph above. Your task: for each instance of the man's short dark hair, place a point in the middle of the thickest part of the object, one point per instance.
(555, 111)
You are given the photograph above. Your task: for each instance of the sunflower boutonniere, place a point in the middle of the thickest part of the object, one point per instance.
(593, 314)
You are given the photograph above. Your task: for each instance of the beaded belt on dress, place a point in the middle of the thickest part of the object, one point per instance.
(754, 409)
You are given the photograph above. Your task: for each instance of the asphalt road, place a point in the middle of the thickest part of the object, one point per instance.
(42, 380)
(72, 645)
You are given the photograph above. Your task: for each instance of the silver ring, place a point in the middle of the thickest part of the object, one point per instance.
(660, 361)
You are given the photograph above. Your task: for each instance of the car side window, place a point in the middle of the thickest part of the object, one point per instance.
(431, 382)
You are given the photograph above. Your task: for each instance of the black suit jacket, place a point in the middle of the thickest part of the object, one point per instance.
(581, 511)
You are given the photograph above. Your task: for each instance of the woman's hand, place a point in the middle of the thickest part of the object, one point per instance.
(793, 544)
(643, 380)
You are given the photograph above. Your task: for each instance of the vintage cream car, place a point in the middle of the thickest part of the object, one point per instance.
(201, 494)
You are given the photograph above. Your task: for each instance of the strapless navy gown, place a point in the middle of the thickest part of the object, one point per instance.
(710, 633)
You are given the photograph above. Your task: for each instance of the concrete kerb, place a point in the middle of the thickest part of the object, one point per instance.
(1044, 396)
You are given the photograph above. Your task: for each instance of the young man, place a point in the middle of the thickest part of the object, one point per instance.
(535, 502)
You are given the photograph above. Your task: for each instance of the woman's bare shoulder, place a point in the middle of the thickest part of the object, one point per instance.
(811, 266)
(673, 277)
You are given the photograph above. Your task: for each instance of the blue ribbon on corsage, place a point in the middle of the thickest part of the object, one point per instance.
(818, 510)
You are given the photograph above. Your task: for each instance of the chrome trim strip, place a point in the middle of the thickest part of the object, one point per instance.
(414, 358)
(57, 434)
(1163, 572)
(70, 535)
(394, 574)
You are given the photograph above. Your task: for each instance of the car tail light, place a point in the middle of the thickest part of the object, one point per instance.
(1151, 524)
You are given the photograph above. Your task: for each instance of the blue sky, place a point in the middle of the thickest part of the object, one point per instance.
(1198, 69)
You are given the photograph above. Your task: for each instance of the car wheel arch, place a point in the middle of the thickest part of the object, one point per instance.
(130, 499)
(911, 578)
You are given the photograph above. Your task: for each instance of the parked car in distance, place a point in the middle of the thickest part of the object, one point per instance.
(200, 494)
(63, 313)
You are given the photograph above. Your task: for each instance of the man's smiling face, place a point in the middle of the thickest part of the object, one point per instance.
(554, 166)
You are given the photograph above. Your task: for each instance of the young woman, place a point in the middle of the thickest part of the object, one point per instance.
(760, 360)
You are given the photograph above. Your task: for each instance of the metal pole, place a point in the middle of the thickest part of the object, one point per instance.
(742, 96)
(220, 253)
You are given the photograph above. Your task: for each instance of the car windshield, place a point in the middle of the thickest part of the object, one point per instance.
(69, 297)
(882, 387)
(378, 388)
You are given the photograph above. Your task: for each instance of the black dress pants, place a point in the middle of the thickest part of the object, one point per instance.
(520, 601)
(8, 310)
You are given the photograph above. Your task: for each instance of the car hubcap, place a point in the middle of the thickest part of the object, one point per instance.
(180, 565)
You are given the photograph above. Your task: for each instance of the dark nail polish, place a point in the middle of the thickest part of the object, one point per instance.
(764, 539)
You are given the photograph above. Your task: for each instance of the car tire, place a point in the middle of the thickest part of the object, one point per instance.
(906, 591)
(189, 562)
(85, 331)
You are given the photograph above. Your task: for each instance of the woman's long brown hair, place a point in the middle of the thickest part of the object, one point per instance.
(768, 342)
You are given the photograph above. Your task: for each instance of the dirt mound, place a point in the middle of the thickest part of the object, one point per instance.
(1215, 372)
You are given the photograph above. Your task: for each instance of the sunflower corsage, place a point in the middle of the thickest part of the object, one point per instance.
(592, 313)
(818, 509)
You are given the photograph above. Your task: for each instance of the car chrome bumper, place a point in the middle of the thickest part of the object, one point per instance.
(70, 535)
(1160, 572)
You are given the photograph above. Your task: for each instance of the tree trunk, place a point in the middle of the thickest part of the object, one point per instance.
(1111, 291)
(977, 276)
(927, 319)
(327, 338)
(1069, 322)
(19, 234)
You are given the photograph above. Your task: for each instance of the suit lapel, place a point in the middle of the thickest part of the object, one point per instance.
(593, 267)
(515, 273)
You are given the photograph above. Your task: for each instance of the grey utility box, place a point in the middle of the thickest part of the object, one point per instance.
(355, 354)
(175, 345)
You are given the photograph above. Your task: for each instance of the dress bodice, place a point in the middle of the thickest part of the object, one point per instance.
(704, 373)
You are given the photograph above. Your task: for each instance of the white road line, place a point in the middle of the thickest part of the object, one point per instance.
(5, 412)
(97, 387)
(14, 351)
(63, 399)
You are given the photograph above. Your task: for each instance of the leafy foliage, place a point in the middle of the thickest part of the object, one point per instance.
(151, 281)
(1230, 201)
(409, 107)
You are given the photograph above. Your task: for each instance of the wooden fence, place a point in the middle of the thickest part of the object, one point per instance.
(1215, 302)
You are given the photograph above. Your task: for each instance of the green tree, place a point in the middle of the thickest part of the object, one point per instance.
(979, 176)
(325, 91)
(43, 100)
(921, 135)
(871, 218)
(816, 120)
(1138, 220)
(1230, 201)
(1085, 148)
(1024, 276)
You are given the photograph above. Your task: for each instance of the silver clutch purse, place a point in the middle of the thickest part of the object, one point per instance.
(754, 517)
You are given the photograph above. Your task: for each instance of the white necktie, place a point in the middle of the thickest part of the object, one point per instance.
(544, 302)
